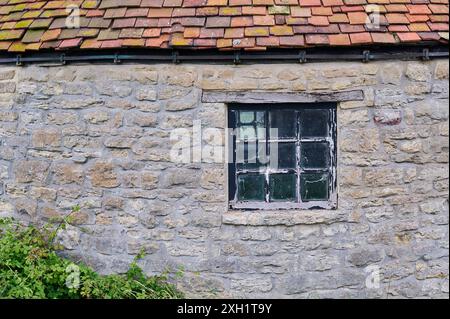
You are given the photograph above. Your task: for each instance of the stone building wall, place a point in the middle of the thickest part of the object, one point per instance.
(98, 136)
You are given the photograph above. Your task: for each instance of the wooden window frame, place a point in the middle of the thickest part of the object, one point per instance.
(331, 139)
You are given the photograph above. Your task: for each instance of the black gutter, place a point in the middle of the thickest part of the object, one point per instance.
(322, 54)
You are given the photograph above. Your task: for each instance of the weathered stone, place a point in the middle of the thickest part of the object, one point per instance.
(68, 173)
(441, 70)
(252, 285)
(46, 138)
(95, 117)
(69, 237)
(146, 94)
(362, 257)
(391, 74)
(115, 126)
(188, 102)
(388, 117)
(119, 142)
(417, 71)
(26, 206)
(31, 171)
(185, 178)
(411, 146)
(143, 119)
(179, 76)
(8, 116)
(383, 176)
(7, 75)
(149, 180)
(7, 87)
(102, 174)
(6, 209)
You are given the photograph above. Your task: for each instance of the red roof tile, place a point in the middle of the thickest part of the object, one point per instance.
(223, 24)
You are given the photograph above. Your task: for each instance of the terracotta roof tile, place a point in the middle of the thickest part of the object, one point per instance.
(224, 24)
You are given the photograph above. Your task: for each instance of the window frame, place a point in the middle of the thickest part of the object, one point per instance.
(331, 138)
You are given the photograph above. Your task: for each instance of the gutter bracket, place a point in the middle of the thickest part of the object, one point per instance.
(366, 56)
(175, 59)
(116, 58)
(62, 59)
(19, 60)
(302, 56)
(237, 57)
(426, 54)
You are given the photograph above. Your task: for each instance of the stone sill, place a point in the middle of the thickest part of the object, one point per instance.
(284, 218)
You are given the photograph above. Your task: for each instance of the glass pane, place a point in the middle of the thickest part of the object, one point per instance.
(314, 155)
(261, 119)
(251, 187)
(314, 187)
(285, 122)
(247, 132)
(314, 123)
(283, 155)
(250, 155)
(246, 117)
(283, 187)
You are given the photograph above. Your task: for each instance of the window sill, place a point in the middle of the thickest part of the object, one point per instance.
(286, 218)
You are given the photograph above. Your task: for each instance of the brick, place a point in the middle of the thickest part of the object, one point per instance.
(317, 39)
(397, 18)
(268, 41)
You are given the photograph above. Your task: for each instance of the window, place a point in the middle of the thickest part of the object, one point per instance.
(283, 156)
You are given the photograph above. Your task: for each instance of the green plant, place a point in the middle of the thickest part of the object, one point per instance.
(31, 268)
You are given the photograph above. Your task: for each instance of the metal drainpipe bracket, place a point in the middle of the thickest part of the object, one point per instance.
(62, 59)
(237, 57)
(116, 59)
(302, 56)
(19, 60)
(426, 54)
(366, 56)
(175, 57)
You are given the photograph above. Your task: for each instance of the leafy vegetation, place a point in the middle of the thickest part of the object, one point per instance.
(31, 268)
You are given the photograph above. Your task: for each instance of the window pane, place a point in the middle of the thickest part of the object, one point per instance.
(261, 118)
(246, 117)
(314, 123)
(314, 187)
(314, 155)
(247, 132)
(283, 155)
(251, 187)
(285, 122)
(251, 155)
(283, 187)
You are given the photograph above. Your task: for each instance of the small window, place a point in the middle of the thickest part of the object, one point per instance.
(284, 156)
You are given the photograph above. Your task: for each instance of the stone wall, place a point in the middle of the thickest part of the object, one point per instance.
(99, 137)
